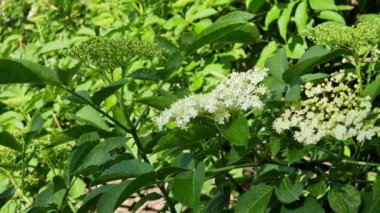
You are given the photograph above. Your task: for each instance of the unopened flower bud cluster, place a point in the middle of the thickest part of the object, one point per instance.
(332, 108)
(239, 92)
(366, 33)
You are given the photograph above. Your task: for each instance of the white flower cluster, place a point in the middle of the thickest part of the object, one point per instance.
(333, 108)
(240, 91)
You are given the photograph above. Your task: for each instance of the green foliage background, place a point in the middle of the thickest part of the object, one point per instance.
(74, 116)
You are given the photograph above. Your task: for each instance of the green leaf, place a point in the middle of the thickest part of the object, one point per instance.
(232, 28)
(37, 122)
(52, 46)
(268, 50)
(284, 19)
(295, 153)
(13, 71)
(331, 16)
(301, 16)
(237, 131)
(293, 73)
(372, 89)
(7, 140)
(101, 95)
(145, 74)
(84, 145)
(276, 64)
(101, 153)
(371, 203)
(89, 202)
(6, 195)
(255, 200)
(65, 76)
(254, 5)
(327, 5)
(187, 186)
(124, 169)
(53, 194)
(310, 206)
(157, 102)
(344, 199)
(92, 117)
(275, 146)
(318, 189)
(293, 94)
(272, 15)
(117, 194)
(141, 202)
(184, 161)
(288, 191)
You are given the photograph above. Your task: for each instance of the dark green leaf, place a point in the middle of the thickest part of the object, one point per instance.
(145, 74)
(7, 140)
(91, 199)
(344, 199)
(101, 95)
(318, 189)
(141, 202)
(124, 169)
(184, 161)
(13, 71)
(187, 186)
(6, 195)
(310, 206)
(237, 131)
(116, 195)
(255, 200)
(65, 76)
(304, 66)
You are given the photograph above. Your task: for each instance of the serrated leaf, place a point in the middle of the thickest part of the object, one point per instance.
(344, 199)
(92, 117)
(13, 71)
(187, 186)
(255, 200)
(288, 191)
(237, 131)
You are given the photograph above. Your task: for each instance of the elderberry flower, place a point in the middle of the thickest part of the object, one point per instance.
(239, 92)
(332, 109)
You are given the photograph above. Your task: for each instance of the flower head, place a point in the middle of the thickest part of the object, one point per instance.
(332, 108)
(240, 91)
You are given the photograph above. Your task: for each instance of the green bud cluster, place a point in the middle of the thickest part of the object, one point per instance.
(108, 54)
(336, 35)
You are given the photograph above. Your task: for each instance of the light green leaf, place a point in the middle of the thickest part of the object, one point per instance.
(301, 16)
(328, 5)
(255, 200)
(104, 93)
(372, 89)
(52, 46)
(272, 15)
(92, 117)
(237, 131)
(268, 50)
(284, 20)
(331, 16)
(344, 199)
